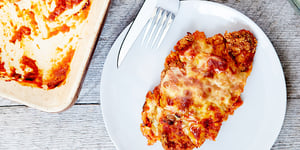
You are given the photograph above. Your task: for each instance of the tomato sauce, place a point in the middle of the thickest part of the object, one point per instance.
(30, 63)
(59, 72)
(20, 33)
(64, 28)
(2, 69)
(61, 6)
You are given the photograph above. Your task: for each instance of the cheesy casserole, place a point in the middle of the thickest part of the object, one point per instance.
(200, 87)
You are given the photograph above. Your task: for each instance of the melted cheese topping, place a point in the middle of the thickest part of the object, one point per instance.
(38, 39)
(200, 86)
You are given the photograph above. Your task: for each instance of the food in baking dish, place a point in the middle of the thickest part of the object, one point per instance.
(200, 87)
(38, 39)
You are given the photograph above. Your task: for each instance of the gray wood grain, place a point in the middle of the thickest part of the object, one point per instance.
(82, 126)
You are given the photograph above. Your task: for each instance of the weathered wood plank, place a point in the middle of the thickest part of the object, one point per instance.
(289, 137)
(80, 127)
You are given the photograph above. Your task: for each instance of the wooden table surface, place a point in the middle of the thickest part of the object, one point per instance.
(82, 126)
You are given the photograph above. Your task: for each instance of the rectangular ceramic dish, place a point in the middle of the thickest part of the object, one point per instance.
(62, 97)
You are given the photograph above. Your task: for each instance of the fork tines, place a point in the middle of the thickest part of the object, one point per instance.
(157, 27)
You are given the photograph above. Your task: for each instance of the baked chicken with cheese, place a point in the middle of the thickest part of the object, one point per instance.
(200, 87)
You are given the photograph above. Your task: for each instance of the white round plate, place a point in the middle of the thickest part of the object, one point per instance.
(254, 126)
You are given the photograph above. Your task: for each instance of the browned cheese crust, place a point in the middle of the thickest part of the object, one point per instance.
(200, 87)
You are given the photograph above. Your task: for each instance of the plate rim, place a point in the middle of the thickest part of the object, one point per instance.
(253, 25)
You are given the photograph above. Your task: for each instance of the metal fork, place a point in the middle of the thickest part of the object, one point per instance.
(160, 22)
